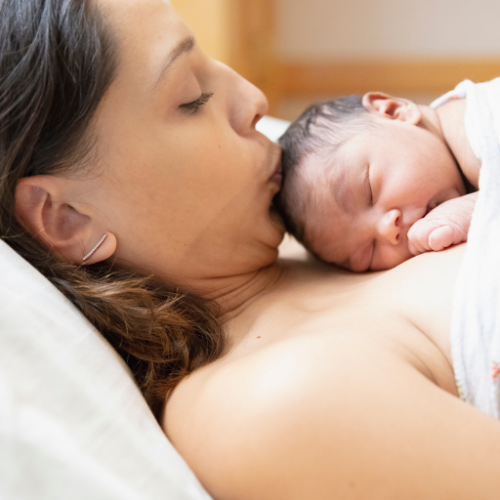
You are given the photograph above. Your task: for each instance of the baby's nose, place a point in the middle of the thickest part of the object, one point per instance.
(389, 226)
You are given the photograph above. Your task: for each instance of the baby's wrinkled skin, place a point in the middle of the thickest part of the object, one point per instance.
(389, 194)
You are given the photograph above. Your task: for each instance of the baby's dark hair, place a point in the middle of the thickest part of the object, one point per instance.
(319, 131)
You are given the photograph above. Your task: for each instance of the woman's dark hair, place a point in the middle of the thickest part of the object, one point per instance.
(57, 59)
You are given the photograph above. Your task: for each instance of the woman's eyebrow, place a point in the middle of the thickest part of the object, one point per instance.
(184, 46)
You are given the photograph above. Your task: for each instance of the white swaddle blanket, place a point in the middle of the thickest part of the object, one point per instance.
(475, 328)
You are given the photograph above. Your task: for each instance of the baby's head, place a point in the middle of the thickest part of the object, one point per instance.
(358, 173)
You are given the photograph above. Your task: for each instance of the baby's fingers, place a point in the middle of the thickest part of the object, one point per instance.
(441, 238)
(415, 247)
(418, 237)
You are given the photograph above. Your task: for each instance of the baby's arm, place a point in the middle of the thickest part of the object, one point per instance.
(446, 225)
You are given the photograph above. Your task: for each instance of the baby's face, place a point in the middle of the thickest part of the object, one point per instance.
(374, 188)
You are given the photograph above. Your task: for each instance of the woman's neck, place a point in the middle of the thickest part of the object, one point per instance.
(235, 294)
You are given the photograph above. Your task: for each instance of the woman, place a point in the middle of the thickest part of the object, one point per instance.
(128, 153)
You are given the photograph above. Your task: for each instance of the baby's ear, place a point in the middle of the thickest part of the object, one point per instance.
(393, 108)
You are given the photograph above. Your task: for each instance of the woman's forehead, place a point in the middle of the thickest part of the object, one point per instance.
(139, 19)
(147, 32)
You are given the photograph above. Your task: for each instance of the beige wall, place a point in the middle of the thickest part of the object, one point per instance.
(299, 51)
(209, 20)
(319, 30)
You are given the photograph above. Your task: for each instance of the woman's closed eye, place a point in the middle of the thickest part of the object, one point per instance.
(192, 107)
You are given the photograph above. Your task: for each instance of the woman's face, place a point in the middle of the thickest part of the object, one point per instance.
(184, 179)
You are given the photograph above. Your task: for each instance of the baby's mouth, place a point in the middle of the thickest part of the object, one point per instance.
(439, 199)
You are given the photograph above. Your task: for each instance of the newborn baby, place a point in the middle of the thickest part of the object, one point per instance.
(369, 182)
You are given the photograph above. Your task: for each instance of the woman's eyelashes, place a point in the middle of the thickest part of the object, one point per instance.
(192, 107)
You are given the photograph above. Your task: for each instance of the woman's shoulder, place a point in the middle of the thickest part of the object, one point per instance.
(231, 420)
(336, 419)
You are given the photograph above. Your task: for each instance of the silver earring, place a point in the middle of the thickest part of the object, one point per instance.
(101, 241)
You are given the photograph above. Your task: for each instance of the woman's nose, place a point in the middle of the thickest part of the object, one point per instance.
(389, 226)
(248, 105)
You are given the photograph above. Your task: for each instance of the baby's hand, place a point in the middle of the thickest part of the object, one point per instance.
(446, 225)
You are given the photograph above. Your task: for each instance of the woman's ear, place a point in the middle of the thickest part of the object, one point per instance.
(393, 108)
(42, 209)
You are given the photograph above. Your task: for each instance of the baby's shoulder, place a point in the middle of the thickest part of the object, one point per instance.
(452, 116)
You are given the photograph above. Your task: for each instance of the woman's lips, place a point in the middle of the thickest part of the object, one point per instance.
(277, 178)
(277, 175)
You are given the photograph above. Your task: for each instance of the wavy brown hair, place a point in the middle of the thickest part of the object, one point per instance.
(57, 59)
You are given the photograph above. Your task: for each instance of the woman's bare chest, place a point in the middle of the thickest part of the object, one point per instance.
(409, 317)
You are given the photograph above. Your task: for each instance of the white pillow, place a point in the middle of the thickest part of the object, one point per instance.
(273, 128)
(73, 424)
